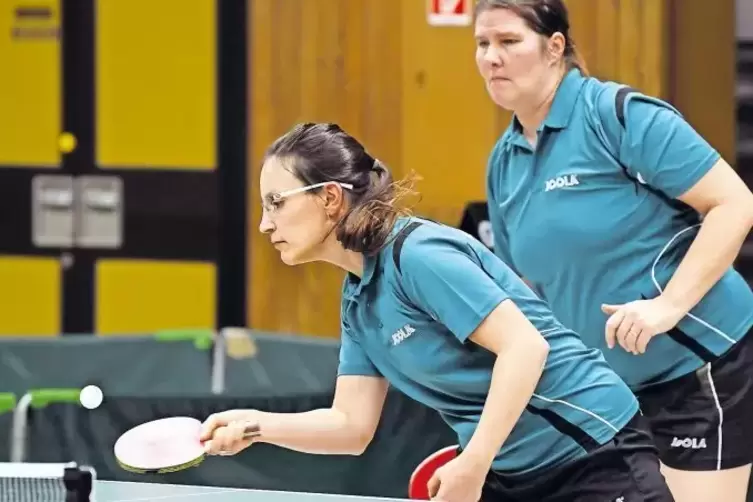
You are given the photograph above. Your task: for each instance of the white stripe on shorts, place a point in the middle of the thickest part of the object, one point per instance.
(720, 412)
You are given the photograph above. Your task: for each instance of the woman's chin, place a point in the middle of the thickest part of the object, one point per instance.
(291, 257)
(502, 97)
(288, 258)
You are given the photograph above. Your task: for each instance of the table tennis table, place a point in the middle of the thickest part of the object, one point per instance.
(60, 482)
(120, 491)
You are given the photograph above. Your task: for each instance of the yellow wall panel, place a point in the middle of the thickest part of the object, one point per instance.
(30, 109)
(30, 301)
(155, 81)
(141, 296)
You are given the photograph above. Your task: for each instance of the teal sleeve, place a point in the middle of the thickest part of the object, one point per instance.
(353, 359)
(444, 279)
(501, 246)
(656, 145)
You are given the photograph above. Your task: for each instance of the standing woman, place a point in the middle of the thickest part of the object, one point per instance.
(627, 222)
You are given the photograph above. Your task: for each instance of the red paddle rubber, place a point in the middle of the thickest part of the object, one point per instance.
(418, 487)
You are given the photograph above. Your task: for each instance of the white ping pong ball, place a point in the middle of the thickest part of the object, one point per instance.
(91, 397)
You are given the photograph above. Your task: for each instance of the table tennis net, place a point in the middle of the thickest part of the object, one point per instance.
(45, 482)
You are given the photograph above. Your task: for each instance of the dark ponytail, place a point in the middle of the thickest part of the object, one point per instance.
(574, 58)
(324, 152)
(368, 223)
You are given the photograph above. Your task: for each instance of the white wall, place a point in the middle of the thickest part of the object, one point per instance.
(745, 19)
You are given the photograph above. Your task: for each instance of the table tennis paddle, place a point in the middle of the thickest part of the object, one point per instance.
(161, 446)
(418, 488)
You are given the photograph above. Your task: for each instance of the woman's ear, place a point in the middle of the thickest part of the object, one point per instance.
(556, 47)
(333, 200)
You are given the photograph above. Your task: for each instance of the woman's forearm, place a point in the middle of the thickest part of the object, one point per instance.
(713, 251)
(514, 378)
(325, 431)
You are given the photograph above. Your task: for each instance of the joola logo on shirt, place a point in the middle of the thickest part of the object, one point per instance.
(694, 443)
(400, 335)
(569, 180)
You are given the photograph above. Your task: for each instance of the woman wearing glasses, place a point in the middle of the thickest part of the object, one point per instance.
(429, 310)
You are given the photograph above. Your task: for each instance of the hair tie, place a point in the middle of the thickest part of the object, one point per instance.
(366, 162)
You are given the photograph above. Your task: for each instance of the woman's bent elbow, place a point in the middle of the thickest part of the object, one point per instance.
(747, 212)
(361, 442)
(356, 441)
(541, 350)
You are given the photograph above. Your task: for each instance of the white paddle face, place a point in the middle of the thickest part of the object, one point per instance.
(160, 444)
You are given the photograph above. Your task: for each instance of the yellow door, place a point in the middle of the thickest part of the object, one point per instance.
(30, 276)
(133, 122)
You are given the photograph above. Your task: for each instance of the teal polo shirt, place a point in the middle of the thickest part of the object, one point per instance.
(590, 216)
(408, 320)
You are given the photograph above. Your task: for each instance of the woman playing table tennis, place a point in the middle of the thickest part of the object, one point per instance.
(429, 310)
(627, 223)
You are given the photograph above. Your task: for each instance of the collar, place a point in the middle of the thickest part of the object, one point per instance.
(355, 284)
(564, 100)
(563, 105)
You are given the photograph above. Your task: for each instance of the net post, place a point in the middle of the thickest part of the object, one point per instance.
(19, 428)
(218, 363)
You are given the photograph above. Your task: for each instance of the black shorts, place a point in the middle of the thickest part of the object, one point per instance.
(704, 421)
(625, 469)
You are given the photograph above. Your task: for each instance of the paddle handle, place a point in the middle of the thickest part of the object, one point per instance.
(251, 431)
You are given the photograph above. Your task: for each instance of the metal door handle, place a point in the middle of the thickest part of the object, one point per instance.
(99, 212)
(101, 200)
(84, 212)
(52, 201)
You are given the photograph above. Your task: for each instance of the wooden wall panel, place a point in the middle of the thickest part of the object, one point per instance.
(328, 60)
(703, 70)
(412, 93)
(448, 121)
(624, 40)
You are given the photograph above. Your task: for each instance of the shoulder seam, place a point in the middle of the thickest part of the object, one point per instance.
(619, 103)
(397, 246)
